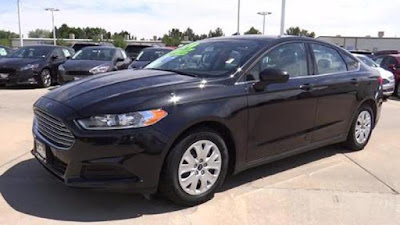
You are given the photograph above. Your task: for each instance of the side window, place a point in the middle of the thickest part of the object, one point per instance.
(392, 61)
(57, 52)
(124, 54)
(379, 60)
(328, 60)
(118, 54)
(352, 64)
(66, 53)
(291, 58)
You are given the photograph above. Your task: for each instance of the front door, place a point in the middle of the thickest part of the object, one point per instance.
(282, 115)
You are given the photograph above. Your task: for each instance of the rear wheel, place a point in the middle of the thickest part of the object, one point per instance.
(361, 129)
(195, 168)
(45, 78)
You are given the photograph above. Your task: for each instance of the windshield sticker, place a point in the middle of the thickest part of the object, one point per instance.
(184, 50)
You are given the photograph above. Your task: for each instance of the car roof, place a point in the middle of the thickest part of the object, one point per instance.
(100, 47)
(158, 48)
(266, 38)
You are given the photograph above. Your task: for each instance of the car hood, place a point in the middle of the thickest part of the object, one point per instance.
(16, 63)
(121, 91)
(139, 64)
(385, 74)
(83, 65)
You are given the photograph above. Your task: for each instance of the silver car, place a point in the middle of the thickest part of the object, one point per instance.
(388, 77)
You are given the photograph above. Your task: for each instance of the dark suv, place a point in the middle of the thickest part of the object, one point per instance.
(33, 65)
(210, 108)
(390, 60)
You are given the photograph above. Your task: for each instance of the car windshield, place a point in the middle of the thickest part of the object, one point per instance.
(367, 61)
(100, 54)
(151, 54)
(32, 52)
(3, 51)
(208, 58)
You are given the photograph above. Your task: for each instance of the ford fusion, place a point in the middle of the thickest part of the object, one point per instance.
(92, 61)
(204, 111)
(33, 65)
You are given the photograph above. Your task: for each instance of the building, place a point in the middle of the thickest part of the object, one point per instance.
(372, 44)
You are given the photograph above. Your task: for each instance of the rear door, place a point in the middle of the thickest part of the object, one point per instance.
(57, 58)
(282, 115)
(337, 80)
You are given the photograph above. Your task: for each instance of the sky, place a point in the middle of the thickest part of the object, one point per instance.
(146, 18)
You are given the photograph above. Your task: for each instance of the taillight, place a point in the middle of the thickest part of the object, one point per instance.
(380, 80)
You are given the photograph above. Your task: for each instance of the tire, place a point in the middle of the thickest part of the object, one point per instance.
(177, 185)
(45, 78)
(361, 129)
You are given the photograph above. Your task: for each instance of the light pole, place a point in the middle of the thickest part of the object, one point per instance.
(19, 25)
(283, 17)
(238, 20)
(52, 18)
(264, 14)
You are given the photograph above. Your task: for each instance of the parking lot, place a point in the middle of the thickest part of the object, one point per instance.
(325, 186)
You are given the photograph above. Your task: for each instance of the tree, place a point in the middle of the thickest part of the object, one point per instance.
(217, 33)
(6, 36)
(39, 33)
(299, 32)
(173, 38)
(252, 31)
(119, 41)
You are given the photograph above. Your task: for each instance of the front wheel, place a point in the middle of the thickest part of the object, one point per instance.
(361, 129)
(195, 168)
(45, 78)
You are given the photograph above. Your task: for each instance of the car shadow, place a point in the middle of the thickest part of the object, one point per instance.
(393, 98)
(29, 189)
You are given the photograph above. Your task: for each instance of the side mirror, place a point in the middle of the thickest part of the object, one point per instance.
(271, 76)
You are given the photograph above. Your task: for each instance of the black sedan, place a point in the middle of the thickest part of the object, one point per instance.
(203, 111)
(148, 55)
(93, 61)
(33, 65)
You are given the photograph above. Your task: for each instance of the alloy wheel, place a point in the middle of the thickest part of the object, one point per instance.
(199, 167)
(363, 127)
(46, 78)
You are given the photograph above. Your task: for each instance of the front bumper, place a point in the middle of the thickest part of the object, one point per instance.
(388, 89)
(127, 160)
(20, 77)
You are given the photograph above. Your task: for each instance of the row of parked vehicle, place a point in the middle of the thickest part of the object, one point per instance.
(44, 65)
(388, 64)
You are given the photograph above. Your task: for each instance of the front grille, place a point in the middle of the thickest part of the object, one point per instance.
(5, 70)
(78, 73)
(58, 165)
(54, 130)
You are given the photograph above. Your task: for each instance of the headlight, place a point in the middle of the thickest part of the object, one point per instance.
(123, 121)
(99, 69)
(61, 67)
(30, 67)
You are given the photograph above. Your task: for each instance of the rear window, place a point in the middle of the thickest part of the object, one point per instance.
(135, 48)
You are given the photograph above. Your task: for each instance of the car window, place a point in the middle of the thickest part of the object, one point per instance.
(353, 64)
(3, 52)
(57, 52)
(291, 58)
(392, 61)
(124, 54)
(119, 55)
(92, 53)
(66, 53)
(328, 60)
(379, 60)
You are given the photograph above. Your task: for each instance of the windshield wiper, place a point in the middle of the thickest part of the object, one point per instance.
(175, 71)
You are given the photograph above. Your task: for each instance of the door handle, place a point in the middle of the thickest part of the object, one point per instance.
(354, 81)
(306, 87)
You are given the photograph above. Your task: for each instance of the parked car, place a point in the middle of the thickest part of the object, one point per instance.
(367, 53)
(390, 60)
(211, 108)
(4, 51)
(148, 55)
(387, 76)
(33, 65)
(78, 46)
(93, 61)
(133, 50)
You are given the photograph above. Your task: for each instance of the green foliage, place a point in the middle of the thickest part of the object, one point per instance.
(299, 32)
(5, 42)
(62, 42)
(6, 36)
(85, 33)
(217, 33)
(39, 33)
(252, 31)
(173, 38)
(119, 41)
